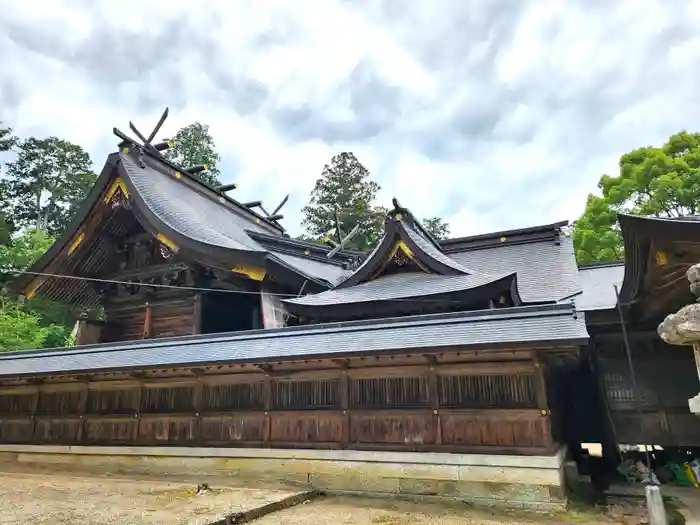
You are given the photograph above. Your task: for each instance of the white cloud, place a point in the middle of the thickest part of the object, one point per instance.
(491, 114)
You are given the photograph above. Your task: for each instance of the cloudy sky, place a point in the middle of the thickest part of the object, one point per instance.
(492, 114)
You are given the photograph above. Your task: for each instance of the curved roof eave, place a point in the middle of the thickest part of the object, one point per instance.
(386, 291)
(22, 281)
(424, 250)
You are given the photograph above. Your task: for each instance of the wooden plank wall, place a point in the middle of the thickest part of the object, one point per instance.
(475, 407)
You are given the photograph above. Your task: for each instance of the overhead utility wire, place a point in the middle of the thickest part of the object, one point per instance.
(192, 288)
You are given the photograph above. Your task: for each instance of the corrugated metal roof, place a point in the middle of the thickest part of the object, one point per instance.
(398, 286)
(550, 323)
(598, 284)
(331, 273)
(189, 212)
(546, 271)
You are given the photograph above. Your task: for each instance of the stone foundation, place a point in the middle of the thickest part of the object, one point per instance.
(534, 482)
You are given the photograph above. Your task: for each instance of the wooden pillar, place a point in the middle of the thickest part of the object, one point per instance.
(434, 393)
(35, 408)
(198, 403)
(344, 386)
(197, 315)
(267, 396)
(82, 408)
(137, 414)
(540, 385)
(147, 328)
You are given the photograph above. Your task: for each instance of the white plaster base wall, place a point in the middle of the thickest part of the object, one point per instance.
(515, 481)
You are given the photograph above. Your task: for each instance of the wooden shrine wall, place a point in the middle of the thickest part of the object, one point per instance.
(477, 407)
(173, 313)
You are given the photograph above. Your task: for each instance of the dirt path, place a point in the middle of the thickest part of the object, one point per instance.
(65, 499)
(355, 511)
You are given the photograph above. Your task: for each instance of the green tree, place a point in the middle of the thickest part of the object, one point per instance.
(193, 145)
(54, 319)
(437, 228)
(19, 329)
(46, 183)
(7, 139)
(652, 181)
(344, 185)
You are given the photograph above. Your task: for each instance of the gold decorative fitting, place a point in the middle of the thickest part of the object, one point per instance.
(177, 175)
(400, 245)
(222, 200)
(117, 185)
(544, 412)
(76, 242)
(398, 216)
(265, 413)
(206, 166)
(167, 242)
(170, 144)
(307, 252)
(435, 412)
(125, 150)
(34, 286)
(503, 239)
(661, 259)
(257, 274)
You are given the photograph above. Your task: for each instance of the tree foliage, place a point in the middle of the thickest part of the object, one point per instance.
(20, 330)
(193, 145)
(46, 183)
(436, 227)
(345, 185)
(653, 181)
(7, 139)
(38, 322)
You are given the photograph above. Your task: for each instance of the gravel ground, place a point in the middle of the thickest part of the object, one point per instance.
(355, 511)
(46, 496)
(70, 499)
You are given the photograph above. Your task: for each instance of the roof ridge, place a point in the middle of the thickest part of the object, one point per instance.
(497, 236)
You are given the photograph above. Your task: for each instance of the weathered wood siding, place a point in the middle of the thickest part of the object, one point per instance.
(172, 314)
(467, 407)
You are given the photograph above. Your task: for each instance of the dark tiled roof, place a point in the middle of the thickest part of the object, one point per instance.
(597, 283)
(398, 286)
(546, 269)
(331, 273)
(433, 251)
(550, 323)
(187, 211)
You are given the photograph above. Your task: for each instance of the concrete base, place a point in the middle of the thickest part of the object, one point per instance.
(533, 482)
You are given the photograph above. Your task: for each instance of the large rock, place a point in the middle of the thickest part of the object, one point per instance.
(683, 327)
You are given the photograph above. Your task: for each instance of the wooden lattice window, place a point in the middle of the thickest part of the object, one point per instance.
(168, 399)
(389, 392)
(111, 401)
(503, 391)
(66, 402)
(301, 395)
(17, 403)
(236, 396)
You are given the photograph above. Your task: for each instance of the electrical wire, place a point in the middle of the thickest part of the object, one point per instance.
(197, 288)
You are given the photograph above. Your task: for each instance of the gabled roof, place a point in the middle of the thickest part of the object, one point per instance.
(557, 324)
(402, 233)
(185, 215)
(407, 244)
